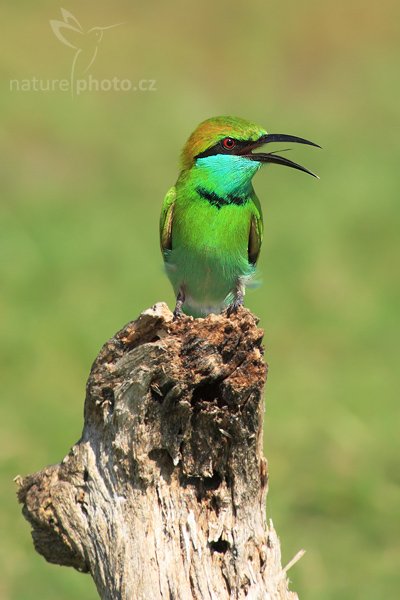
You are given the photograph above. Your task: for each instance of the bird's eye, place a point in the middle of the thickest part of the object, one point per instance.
(228, 143)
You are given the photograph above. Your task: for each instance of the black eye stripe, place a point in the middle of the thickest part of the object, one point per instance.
(219, 148)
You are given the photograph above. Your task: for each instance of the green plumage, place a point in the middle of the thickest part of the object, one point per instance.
(210, 248)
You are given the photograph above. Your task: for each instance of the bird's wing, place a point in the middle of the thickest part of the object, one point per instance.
(255, 238)
(67, 34)
(69, 18)
(166, 220)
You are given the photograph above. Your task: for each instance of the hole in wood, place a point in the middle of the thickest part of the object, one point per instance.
(205, 393)
(202, 485)
(108, 395)
(212, 483)
(220, 546)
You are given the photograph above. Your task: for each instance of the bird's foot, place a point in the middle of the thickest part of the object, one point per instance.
(234, 307)
(237, 301)
(178, 313)
(180, 299)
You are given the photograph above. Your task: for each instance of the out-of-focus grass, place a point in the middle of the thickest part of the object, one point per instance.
(82, 182)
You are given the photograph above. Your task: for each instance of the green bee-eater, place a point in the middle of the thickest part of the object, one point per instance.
(211, 224)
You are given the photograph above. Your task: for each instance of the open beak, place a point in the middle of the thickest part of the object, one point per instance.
(272, 157)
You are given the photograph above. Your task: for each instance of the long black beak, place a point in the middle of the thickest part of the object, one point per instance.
(275, 158)
(282, 137)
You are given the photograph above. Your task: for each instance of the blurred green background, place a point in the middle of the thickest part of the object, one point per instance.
(82, 183)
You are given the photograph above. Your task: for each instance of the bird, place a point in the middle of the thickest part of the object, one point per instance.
(211, 224)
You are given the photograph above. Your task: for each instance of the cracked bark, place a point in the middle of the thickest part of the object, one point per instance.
(163, 497)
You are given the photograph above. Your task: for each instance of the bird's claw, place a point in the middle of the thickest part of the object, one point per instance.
(180, 299)
(234, 307)
(178, 314)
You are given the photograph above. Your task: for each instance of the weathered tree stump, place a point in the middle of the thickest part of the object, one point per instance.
(163, 497)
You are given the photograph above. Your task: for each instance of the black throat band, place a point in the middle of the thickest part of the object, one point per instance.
(218, 201)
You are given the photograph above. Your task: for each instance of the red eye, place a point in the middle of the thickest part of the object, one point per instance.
(228, 143)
